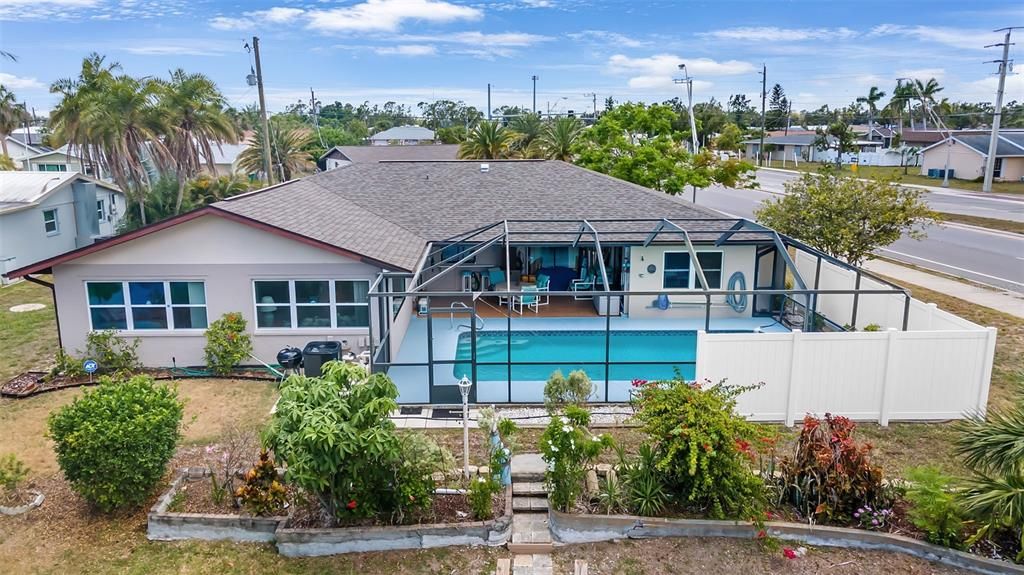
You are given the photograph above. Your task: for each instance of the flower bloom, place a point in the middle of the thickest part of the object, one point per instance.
(351, 505)
(789, 553)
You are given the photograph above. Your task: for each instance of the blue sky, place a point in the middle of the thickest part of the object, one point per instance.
(409, 51)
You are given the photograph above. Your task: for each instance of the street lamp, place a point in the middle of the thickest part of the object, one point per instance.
(464, 386)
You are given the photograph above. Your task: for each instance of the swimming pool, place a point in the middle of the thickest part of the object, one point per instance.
(536, 354)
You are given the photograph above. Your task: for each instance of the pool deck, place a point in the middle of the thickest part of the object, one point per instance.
(412, 381)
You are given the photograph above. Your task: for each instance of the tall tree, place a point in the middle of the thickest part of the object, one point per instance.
(730, 138)
(839, 137)
(927, 91)
(288, 150)
(526, 129)
(487, 141)
(194, 109)
(67, 123)
(778, 109)
(741, 111)
(871, 101)
(847, 217)
(12, 114)
(559, 137)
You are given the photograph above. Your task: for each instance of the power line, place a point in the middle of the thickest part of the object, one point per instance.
(993, 142)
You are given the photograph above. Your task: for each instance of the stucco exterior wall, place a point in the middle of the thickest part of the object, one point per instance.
(23, 234)
(54, 157)
(734, 258)
(965, 162)
(1013, 170)
(227, 256)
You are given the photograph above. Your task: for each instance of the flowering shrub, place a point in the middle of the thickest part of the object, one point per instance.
(114, 442)
(567, 446)
(227, 343)
(340, 446)
(872, 518)
(831, 475)
(703, 448)
(481, 496)
(262, 493)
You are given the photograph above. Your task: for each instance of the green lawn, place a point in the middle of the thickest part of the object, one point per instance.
(28, 339)
(912, 177)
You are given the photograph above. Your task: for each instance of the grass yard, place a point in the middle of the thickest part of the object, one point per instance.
(28, 339)
(991, 223)
(912, 177)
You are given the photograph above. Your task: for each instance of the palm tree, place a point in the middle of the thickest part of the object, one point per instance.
(66, 118)
(288, 153)
(559, 137)
(487, 141)
(871, 100)
(927, 91)
(12, 114)
(197, 120)
(208, 189)
(526, 129)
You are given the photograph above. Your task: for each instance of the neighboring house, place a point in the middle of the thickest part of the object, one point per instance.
(801, 148)
(58, 160)
(403, 136)
(965, 154)
(46, 214)
(225, 158)
(919, 138)
(504, 271)
(340, 156)
(883, 135)
(18, 150)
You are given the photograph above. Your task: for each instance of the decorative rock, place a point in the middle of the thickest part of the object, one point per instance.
(24, 307)
(603, 468)
(591, 487)
(37, 500)
(473, 469)
(484, 470)
(437, 476)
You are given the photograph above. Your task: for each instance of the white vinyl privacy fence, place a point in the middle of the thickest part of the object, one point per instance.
(939, 368)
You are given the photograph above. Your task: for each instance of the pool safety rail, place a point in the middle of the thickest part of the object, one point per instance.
(393, 291)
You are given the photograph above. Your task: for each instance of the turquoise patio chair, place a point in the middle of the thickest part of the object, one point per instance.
(529, 298)
(543, 286)
(585, 284)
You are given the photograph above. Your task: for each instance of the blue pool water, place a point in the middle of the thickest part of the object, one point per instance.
(536, 354)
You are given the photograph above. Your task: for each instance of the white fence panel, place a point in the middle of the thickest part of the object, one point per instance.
(872, 376)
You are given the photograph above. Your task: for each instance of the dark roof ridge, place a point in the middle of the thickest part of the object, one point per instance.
(650, 191)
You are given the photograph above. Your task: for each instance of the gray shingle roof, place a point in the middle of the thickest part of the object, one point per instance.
(792, 139)
(389, 211)
(1011, 144)
(404, 133)
(425, 152)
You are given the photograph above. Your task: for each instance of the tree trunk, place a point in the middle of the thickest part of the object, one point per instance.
(181, 195)
(3, 142)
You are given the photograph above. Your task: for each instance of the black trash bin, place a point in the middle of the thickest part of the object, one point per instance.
(316, 353)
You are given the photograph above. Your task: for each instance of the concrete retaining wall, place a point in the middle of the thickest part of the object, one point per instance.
(574, 528)
(316, 542)
(164, 525)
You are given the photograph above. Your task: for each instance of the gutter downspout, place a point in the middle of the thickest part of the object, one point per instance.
(53, 294)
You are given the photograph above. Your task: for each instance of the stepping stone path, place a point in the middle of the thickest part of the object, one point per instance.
(531, 536)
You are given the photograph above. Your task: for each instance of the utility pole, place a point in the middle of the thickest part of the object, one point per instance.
(313, 105)
(263, 113)
(593, 96)
(488, 101)
(534, 78)
(764, 98)
(689, 105)
(993, 142)
(789, 116)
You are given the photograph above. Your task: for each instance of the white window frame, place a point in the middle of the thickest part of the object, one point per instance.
(56, 221)
(128, 305)
(60, 167)
(293, 305)
(693, 281)
(101, 210)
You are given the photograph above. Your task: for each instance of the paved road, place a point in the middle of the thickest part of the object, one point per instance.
(1002, 206)
(995, 258)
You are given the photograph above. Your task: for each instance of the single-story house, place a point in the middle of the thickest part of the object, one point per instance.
(43, 214)
(56, 160)
(798, 147)
(407, 135)
(920, 138)
(18, 149)
(965, 153)
(341, 156)
(225, 158)
(502, 272)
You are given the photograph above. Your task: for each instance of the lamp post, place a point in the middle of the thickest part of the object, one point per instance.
(464, 386)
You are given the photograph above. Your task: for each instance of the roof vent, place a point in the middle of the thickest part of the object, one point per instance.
(484, 168)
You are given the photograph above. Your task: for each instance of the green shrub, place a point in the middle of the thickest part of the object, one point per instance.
(702, 448)
(567, 446)
(114, 442)
(67, 365)
(262, 492)
(227, 343)
(872, 327)
(831, 474)
(12, 473)
(933, 506)
(481, 494)
(573, 390)
(340, 446)
(645, 489)
(113, 354)
(993, 451)
(611, 495)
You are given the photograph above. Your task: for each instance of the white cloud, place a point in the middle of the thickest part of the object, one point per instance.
(606, 37)
(226, 23)
(13, 82)
(388, 15)
(668, 65)
(775, 34)
(922, 73)
(963, 38)
(984, 90)
(279, 14)
(479, 39)
(174, 47)
(249, 20)
(407, 50)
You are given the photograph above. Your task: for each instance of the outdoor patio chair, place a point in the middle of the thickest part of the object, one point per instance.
(585, 284)
(544, 286)
(529, 298)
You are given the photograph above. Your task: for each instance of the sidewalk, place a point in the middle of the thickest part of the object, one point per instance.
(1002, 300)
(934, 189)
